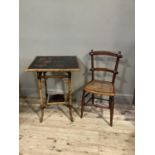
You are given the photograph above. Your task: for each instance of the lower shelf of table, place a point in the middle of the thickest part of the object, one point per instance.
(56, 99)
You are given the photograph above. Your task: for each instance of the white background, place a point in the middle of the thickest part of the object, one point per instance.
(145, 75)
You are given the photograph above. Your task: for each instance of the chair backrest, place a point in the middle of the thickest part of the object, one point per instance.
(105, 53)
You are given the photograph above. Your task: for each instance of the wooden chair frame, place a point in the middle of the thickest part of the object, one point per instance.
(93, 69)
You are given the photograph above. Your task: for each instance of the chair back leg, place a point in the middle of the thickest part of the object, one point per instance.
(93, 99)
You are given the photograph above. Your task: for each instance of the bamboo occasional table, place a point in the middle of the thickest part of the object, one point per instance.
(65, 65)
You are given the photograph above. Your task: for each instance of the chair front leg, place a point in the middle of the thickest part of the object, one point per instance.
(111, 109)
(82, 103)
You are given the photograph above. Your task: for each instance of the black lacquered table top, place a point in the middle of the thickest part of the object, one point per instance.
(54, 63)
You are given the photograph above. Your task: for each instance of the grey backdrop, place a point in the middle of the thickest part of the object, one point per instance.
(74, 27)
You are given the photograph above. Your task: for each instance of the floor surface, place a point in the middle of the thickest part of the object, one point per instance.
(91, 135)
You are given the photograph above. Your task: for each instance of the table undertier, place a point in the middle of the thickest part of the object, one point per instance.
(54, 98)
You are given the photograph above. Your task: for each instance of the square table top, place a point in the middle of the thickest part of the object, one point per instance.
(54, 63)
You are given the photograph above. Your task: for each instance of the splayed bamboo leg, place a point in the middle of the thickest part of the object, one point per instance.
(42, 106)
(70, 96)
(45, 83)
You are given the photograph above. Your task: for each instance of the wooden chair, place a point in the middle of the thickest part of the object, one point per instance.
(101, 88)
